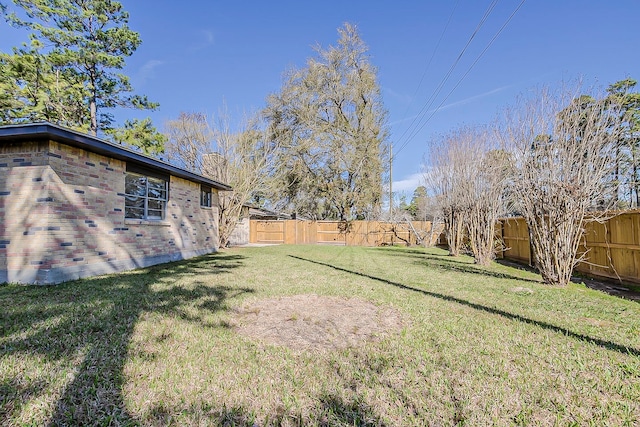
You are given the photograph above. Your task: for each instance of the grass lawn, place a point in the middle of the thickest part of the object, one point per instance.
(160, 346)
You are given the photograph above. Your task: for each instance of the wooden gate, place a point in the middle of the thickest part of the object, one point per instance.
(266, 232)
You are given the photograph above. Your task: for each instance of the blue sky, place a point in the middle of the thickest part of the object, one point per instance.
(201, 55)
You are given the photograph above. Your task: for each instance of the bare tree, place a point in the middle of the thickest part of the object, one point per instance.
(485, 194)
(241, 159)
(398, 221)
(189, 138)
(467, 174)
(563, 150)
(244, 160)
(425, 207)
(428, 209)
(447, 177)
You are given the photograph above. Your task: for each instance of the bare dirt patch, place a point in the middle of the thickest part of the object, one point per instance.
(316, 322)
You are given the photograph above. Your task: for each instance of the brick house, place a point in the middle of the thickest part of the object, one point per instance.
(72, 206)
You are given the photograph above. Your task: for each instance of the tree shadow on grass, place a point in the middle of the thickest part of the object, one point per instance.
(14, 393)
(205, 414)
(597, 341)
(93, 319)
(399, 251)
(335, 411)
(330, 411)
(448, 263)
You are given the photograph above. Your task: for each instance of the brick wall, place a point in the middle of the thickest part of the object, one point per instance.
(62, 211)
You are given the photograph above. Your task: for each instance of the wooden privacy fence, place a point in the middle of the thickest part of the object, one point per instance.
(613, 247)
(353, 233)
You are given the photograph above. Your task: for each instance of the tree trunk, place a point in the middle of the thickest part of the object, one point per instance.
(635, 184)
(454, 231)
(94, 116)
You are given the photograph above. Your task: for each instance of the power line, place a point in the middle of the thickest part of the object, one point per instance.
(493, 39)
(435, 50)
(428, 66)
(438, 89)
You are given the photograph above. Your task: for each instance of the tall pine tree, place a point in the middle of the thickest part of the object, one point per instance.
(623, 97)
(87, 43)
(33, 89)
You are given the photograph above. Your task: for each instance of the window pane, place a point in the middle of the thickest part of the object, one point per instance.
(135, 184)
(153, 214)
(205, 197)
(157, 188)
(134, 202)
(145, 197)
(135, 213)
(156, 204)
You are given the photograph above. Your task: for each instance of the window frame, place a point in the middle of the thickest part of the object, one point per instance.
(206, 196)
(146, 193)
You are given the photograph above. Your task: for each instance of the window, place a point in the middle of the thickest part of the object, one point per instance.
(145, 196)
(205, 196)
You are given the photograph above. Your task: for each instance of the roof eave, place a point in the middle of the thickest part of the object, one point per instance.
(76, 139)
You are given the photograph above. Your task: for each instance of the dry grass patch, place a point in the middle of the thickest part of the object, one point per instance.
(316, 322)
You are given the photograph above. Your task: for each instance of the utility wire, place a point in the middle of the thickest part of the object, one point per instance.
(431, 99)
(415, 132)
(435, 50)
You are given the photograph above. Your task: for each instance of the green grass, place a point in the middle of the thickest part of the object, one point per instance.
(480, 346)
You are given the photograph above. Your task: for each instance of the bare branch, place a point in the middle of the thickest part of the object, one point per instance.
(563, 149)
